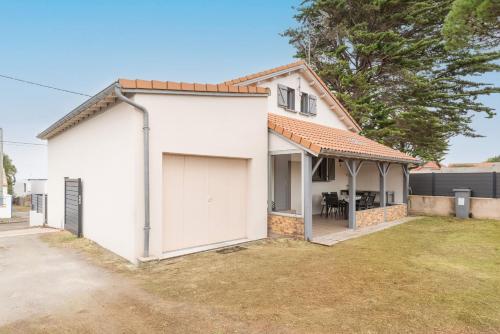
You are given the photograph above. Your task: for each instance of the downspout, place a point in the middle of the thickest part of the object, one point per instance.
(145, 129)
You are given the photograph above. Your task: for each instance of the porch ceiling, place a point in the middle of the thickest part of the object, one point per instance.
(327, 141)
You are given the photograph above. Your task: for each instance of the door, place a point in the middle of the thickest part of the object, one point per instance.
(73, 206)
(282, 182)
(205, 200)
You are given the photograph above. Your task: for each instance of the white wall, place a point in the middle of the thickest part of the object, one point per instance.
(6, 206)
(38, 186)
(368, 179)
(325, 116)
(209, 126)
(101, 151)
(296, 186)
(36, 219)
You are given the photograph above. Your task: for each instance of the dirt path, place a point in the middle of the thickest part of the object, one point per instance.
(53, 290)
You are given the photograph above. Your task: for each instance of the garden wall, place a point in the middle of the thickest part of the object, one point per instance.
(483, 208)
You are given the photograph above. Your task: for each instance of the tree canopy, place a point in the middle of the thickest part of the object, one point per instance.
(392, 67)
(10, 171)
(496, 158)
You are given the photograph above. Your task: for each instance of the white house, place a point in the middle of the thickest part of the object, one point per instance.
(26, 187)
(5, 198)
(155, 169)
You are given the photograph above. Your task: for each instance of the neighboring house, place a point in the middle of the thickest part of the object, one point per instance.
(160, 169)
(472, 167)
(30, 186)
(5, 198)
(428, 167)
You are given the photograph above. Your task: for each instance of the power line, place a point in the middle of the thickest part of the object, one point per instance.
(21, 143)
(42, 85)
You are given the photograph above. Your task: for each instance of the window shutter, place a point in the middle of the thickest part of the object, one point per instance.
(304, 104)
(291, 98)
(282, 96)
(312, 105)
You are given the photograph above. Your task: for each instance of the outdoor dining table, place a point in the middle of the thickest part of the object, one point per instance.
(345, 198)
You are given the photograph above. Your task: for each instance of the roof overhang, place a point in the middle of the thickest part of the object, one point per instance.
(92, 106)
(316, 140)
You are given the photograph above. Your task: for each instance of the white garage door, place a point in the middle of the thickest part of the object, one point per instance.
(204, 200)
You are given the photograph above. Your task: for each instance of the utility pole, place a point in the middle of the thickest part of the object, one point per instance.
(1, 166)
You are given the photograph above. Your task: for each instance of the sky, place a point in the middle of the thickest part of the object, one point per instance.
(84, 46)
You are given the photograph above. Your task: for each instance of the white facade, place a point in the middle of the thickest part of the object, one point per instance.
(209, 162)
(6, 205)
(105, 151)
(301, 84)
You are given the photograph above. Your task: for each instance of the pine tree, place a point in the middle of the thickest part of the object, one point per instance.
(388, 62)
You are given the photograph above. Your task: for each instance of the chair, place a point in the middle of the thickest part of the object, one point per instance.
(370, 201)
(323, 204)
(362, 204)
(332, 203)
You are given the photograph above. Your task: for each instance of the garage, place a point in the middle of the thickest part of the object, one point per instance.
(204, 201)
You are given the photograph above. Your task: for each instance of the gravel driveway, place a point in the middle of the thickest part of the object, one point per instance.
(38, 279)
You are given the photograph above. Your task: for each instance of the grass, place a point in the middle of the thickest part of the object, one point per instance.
(438, 275)
(19, 208)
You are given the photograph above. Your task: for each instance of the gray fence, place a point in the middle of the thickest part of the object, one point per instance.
(38, 203)
(442, 184)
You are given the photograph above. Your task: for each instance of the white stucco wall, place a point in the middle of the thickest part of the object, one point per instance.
(325, 116)
(106, 153)
(36, 219)
(6, 205)
(234, 127)
(101, 151)
(37, 186)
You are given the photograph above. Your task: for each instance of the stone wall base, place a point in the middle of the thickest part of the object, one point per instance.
(285, 225)
(375, 216)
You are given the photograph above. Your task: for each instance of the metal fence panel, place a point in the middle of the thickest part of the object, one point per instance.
(73, 206)
(442, 184)
(421, 184)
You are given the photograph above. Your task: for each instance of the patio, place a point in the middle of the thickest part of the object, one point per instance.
(302, 171)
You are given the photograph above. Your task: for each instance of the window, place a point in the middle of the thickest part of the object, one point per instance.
(325, 171)
(308, 104)
(286, 97)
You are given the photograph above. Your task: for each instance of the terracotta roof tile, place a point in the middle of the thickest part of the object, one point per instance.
(262, 73)
(194, 87)
(322, 139)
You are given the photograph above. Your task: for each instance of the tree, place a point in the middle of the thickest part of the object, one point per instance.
(496, 158)
(472, 22)
(388, 62)
(10, 171)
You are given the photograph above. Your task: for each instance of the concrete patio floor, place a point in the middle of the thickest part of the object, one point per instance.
(341, 234)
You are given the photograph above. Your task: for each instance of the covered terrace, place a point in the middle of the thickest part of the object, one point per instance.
(316, 172)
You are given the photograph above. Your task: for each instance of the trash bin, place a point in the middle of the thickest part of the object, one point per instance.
(462, 202)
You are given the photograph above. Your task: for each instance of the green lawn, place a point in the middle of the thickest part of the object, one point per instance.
(428, 275)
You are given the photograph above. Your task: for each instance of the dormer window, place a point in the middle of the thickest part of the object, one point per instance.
(286, 97)
(308, 104)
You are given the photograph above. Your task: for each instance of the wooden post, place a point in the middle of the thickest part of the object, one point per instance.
(383, 169)
(353, 167)
(406, 183)
(307, 182)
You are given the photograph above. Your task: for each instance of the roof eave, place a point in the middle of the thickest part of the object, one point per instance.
(361, 156)
(85, 106)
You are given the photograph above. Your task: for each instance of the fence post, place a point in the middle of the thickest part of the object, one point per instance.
(494, 183)
(433, 184)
